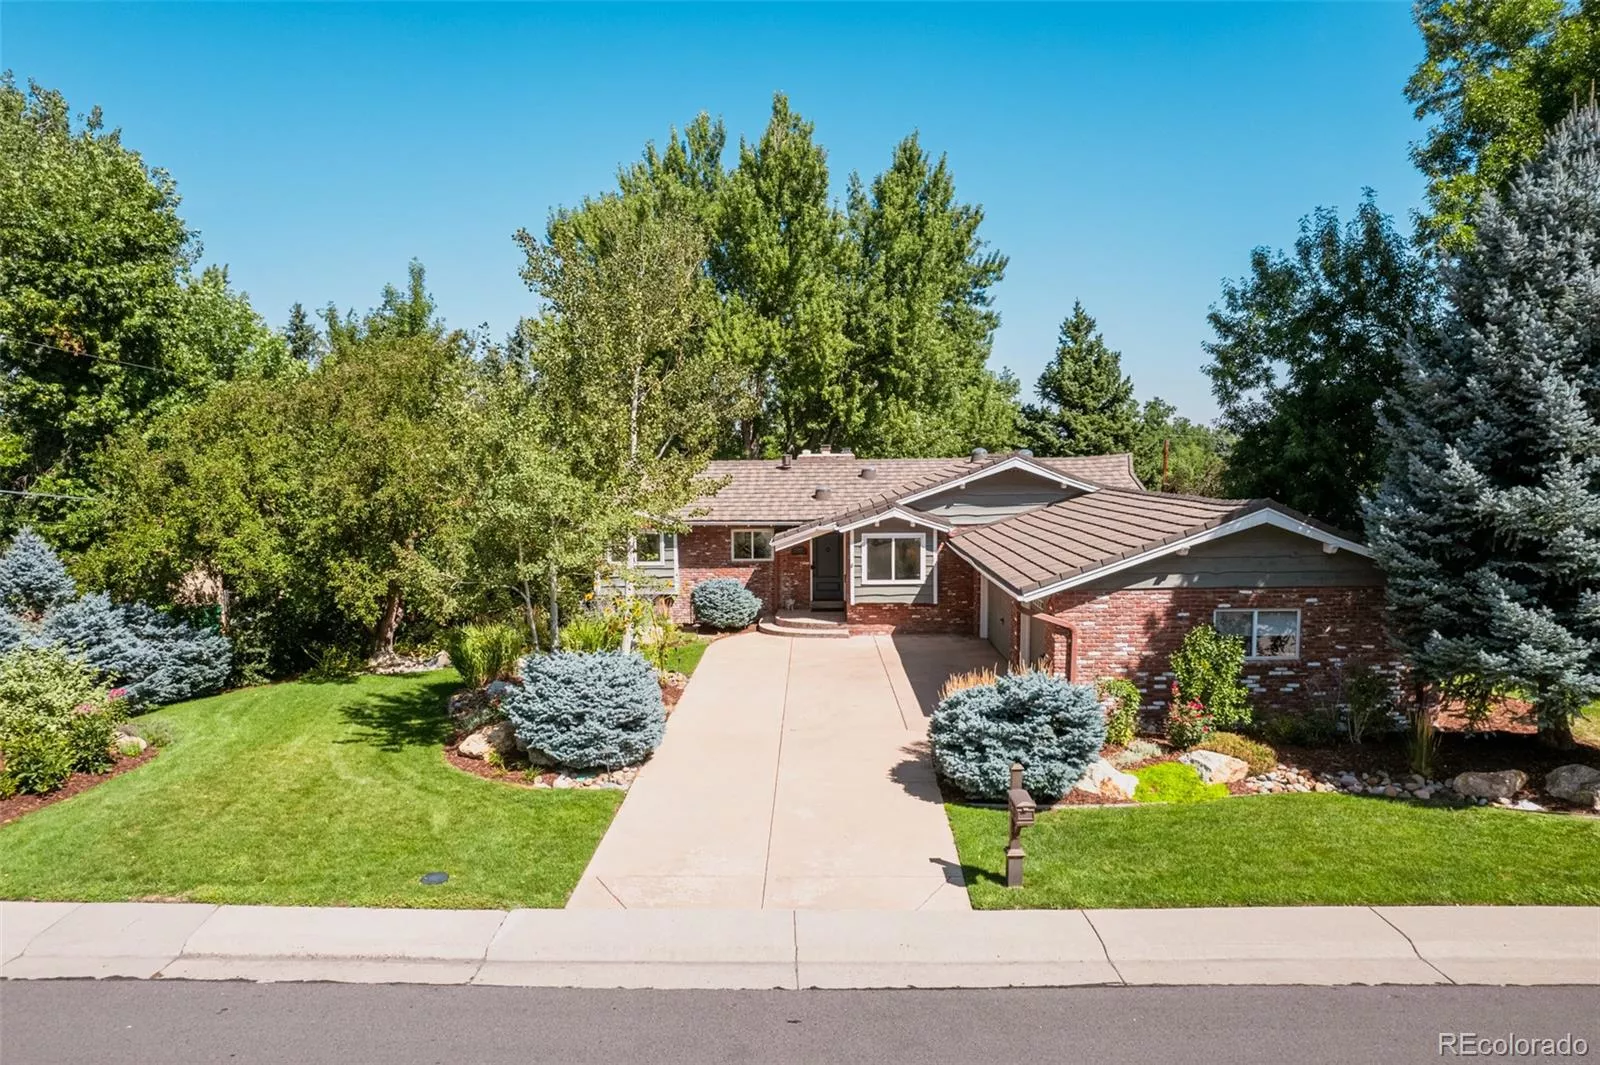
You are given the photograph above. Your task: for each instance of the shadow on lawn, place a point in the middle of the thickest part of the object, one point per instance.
(398, 720)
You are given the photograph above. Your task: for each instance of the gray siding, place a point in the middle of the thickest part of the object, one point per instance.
(993, 498)
(1262, 557)
(862, 592)
(651, 578)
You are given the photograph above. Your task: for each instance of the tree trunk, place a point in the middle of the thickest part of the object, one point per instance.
(555, 609)
(388, 623)
(527, 601)
(1557, 734)
(222, 605)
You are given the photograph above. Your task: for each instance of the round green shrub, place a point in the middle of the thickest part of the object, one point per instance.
(1055, 729)
(36, 763)
(724, 603)
(600, 710)
(1122, 709)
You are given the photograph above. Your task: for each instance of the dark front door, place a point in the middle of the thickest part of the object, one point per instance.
(827, 568)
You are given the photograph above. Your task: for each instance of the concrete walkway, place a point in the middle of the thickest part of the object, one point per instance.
(794, 775)
(804, 948)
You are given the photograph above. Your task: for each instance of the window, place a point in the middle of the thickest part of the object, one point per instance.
(1266, 633)
(894, 558)
(752, 545)
(648, 547)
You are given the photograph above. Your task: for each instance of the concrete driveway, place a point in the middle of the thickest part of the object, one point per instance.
(794, 774)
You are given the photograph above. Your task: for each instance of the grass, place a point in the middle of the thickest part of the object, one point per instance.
(686, 656)
(1586, 728)
(311, 794)
(1174, 782)
(1283, 850)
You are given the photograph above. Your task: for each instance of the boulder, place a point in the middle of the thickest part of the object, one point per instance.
(1104, 779)
(1501, 785)
(1215, 768)
(499, 736)
(126, 742)
(1574, 783)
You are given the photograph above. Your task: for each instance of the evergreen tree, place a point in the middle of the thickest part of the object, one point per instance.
(1307, 349)
(32, 578)
(1488, 522)
(303, 337)
(1086, 402)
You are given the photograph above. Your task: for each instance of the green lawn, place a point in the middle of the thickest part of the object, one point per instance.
(314, 794)
(1282, 850)
(684, 657)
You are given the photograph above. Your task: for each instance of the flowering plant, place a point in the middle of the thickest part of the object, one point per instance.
(1188, 722)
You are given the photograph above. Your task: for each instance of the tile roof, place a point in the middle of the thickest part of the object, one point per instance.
(1087, 532)
(760, 490)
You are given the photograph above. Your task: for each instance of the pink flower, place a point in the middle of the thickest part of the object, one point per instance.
(117, 693)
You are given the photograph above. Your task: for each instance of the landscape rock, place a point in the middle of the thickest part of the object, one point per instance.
(128, 742)
(500, 737)
(1104, 779)
(1578, 784)
(1215, 768)
(1499, 785)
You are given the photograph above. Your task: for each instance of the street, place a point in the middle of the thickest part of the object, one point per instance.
(118, 1022)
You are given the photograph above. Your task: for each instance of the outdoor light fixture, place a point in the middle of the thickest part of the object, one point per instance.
(435, 878)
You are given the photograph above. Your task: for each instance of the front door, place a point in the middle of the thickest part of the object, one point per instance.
(827, 568)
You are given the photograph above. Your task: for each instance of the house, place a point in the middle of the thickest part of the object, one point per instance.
(1066, 562)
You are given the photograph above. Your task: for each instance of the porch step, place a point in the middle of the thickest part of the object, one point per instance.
(795, 623)
(827, 604)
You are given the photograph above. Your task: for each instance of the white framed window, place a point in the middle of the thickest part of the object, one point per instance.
(1267, 634)
(752, 545)
(892, 558)
(648, 547)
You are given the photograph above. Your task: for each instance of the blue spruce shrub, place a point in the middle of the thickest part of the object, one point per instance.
(12, 634)
(32, 578)
(600, 710)
(1055, 729)
(156, 658)
(724, 603)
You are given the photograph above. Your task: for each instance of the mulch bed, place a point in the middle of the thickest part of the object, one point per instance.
(510, 774)
(18, 805)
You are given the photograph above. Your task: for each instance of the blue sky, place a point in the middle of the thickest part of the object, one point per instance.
(1128, 155)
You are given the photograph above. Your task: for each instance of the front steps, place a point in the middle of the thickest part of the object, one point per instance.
(805, 625)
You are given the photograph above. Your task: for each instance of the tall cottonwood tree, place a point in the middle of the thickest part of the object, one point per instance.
(1086, 404)
(1307, 352)
(921, 320)
(1488, 522)
(1495, 79)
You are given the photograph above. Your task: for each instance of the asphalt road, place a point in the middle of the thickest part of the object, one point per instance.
(172, 1022)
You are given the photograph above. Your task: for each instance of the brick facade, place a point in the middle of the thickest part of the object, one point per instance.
(1133, 632)
(707, 552)
(955, 612)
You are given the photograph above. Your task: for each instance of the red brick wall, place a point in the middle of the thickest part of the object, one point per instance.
(707, 552)
(1133, 632)
(956, 611)
(794, 578)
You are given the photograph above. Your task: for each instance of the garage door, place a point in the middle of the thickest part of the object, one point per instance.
(1000, 610)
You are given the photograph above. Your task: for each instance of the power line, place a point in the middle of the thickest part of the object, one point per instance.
(41, 495)
(87, 355)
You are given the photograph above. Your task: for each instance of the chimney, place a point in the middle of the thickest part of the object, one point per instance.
(822, 492)
(827, 449)
(785, 462)
(979, 454)
(869, 473)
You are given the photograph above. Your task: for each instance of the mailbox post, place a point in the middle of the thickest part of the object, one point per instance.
(1020, 804)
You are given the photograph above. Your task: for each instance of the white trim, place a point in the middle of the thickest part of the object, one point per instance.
(1265, 516)
(922, 560)
(772, 548)
(850, 566)
(1015, 462)
(897, 513)
(1253, 611)
(1024, 638)
(983, 607)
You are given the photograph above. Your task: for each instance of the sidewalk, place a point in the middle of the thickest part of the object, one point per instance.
(803, 948)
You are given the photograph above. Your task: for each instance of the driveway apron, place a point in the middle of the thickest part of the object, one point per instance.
(794, 774)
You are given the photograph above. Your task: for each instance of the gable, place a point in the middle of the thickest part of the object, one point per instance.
(1260, 557)
(995, 497)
